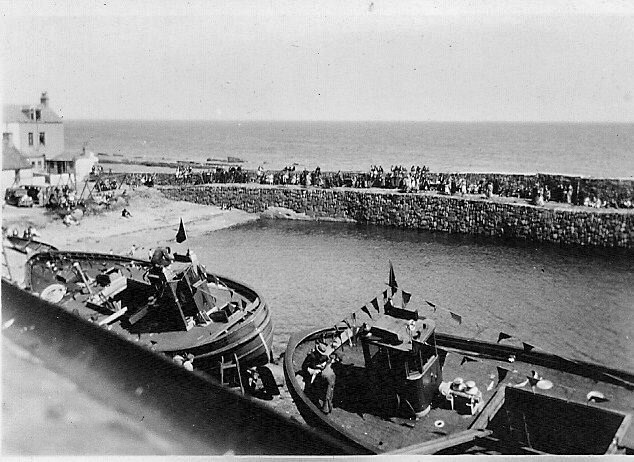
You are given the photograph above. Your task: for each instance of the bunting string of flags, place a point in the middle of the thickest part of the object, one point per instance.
(351, 329)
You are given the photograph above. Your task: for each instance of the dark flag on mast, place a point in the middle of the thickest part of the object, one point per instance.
(392, 282)
(181, 235)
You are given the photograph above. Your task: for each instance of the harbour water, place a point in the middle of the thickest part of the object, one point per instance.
(577, 304)
(600, 150)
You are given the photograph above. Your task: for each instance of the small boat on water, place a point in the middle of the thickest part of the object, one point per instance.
(401, 387)
(180, 310)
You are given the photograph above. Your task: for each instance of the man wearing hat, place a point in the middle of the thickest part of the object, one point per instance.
(318, 364)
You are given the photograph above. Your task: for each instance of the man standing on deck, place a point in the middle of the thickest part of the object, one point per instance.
(318, 363)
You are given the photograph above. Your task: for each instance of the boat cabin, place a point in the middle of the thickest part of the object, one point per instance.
(401, 358)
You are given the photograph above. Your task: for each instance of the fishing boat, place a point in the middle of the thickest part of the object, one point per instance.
(402, 387)
(214, 323)
(28, 245)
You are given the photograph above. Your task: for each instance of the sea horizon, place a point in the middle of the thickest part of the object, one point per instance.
(405, 121)
(600, 149)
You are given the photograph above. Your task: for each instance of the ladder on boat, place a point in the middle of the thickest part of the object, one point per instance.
(232, 364)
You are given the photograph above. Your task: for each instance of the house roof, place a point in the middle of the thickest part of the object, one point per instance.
(12, 159)
(12, 113)
(66, 156)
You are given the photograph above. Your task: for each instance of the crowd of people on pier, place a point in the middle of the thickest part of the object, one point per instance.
(411, 180)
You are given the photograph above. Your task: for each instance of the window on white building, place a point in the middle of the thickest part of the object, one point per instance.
(42, 138)
(30, 138)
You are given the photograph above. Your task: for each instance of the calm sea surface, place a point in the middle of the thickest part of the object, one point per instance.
(577, 304)
(604, 150)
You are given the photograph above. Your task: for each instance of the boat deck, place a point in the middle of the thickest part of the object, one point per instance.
(153, 332)
(361, 407)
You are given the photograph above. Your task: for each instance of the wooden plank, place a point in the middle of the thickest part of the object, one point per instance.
(490, 409)
(113, 316)
(624, 437)
(444, 442)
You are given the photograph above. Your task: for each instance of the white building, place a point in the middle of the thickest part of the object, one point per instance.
(36, 131)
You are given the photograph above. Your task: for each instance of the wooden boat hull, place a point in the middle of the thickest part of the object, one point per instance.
(194, 411)
(573, 379)
(249, 338)
(23, 245)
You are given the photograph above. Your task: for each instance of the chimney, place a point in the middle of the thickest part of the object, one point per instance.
(44, 99)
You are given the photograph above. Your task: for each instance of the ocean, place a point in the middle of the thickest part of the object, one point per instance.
(597, 150)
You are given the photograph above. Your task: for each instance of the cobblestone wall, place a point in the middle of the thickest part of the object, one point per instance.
(453, 214)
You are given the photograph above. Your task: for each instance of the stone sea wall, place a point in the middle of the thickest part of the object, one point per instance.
(429, 211)
(612, 192)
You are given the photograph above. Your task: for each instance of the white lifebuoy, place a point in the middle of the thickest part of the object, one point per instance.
(53, 293)
(439, 423)
(595, 396)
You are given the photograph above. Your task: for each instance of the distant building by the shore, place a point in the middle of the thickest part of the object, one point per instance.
(36, 134)
(35, 130)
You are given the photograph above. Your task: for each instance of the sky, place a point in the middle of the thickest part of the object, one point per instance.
(323, 60)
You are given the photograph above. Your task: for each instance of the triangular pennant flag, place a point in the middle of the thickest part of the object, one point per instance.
(392, 282)
(394, 290)
(533, 381)
(456, 317)
(502, 373)
(406, 297)
(467, 359)
(181, 235)
(366, 311)
(431, 304)
(527, 347)
(347, 323)
(244, 304)
(354, 319)
(385, 297)
(375, 304)
(503, 336)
